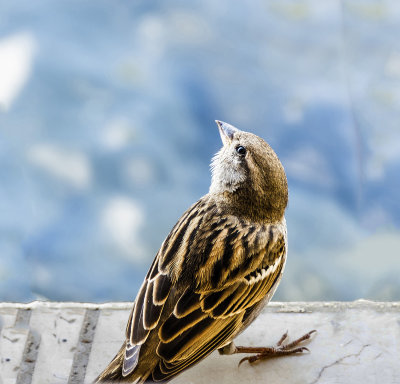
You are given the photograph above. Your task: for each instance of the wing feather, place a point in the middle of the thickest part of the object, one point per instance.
(183, 345)
(162, 286)
(138, 333)
(165, 371)
(187, 339)
(174, 326)
(131, 358)
(187, 303)
(212, 300)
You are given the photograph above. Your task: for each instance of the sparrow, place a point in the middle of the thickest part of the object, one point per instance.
(215, 271)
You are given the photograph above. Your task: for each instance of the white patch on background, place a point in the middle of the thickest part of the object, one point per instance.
(293, 111)
(16, 56)
(43, 274)
(308, 165)
(392, 67)
(122, 219)
(385, 149)
(140, 171)
(69, 166)
(117, 135)
(189, 27)
(371, 260)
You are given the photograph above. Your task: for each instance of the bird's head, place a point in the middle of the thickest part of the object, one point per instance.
(248, 176)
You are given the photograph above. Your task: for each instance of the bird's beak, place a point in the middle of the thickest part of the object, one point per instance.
(226, 131)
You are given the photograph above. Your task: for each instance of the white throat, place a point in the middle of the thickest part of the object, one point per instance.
(227, 175)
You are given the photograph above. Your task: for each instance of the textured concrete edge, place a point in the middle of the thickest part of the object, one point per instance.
(81, 357)
(289, 307)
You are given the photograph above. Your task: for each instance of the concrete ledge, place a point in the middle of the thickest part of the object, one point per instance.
(357, 342)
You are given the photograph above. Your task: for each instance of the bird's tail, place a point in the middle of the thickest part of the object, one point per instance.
(113, 373)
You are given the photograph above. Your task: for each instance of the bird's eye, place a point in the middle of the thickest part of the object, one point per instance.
(241, 150)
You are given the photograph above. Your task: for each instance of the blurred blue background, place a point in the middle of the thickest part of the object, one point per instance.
(107, 129)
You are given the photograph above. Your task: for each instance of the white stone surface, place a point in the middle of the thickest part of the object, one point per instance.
(110, 332)
(12, 344)
(353, 345)
(59, 335)
(356, 342)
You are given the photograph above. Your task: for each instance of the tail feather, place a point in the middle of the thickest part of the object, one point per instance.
(114, 371)
(131, 358)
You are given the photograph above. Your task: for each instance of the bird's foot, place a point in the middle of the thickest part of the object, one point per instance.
(279, 350)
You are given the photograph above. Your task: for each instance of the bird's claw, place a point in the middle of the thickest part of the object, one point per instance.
(279, 350)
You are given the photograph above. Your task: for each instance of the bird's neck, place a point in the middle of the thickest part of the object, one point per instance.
(252, 206)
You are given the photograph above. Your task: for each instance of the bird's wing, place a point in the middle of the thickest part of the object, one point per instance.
(204, 320)
(155, 290)
(210, 273)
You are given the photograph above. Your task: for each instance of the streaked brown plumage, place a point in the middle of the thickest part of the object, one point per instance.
(218, 267)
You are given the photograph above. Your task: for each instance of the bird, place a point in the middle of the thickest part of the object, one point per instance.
(215, 271)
